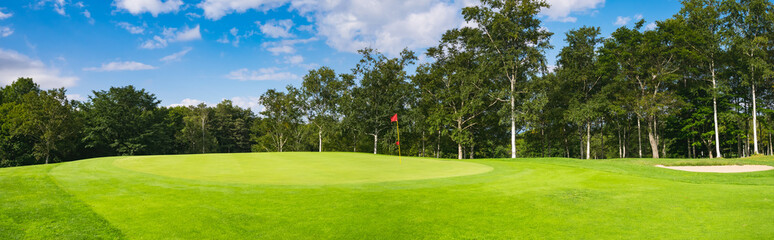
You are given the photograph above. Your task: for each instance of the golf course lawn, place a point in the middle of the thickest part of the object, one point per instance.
(365, 196)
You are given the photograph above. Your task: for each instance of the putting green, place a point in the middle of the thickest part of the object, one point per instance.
(298, 168)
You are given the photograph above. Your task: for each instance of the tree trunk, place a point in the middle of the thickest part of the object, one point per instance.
(319, 136)
(471, 150)
(459, 145)
(715, 111)
(755, 120)
(376, 138)
(280, 143)
(588, 140)
(620, 147)
(513, 123)
(652, 138)
(602, 139)
(459, 151)
(639, 136)
(438, 146)
(624, 142)
(580, 137)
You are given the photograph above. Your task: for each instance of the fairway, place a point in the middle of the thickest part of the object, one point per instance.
(298, 168)
(366, 196)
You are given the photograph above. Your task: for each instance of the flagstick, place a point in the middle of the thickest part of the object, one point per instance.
(400, 161)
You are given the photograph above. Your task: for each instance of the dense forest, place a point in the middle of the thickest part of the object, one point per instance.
(696, 85)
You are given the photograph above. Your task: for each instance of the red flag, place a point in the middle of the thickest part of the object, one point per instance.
(394, 118)
(397, 143)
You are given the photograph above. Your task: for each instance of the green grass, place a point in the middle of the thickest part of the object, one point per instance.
(292, 169)
(365, 196)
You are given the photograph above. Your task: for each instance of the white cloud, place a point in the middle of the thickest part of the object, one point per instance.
(286, 46)
(216, 9)
(297, 59)
(87, 14)
(276, 50)
(156, 42)
(560, 10)
(637, 16)
(306, 28)
(262, 74)
(172, 35)
(387, 25)
(76, 97)
(192, 16)
(120, 66)
(5, 15)
(350, 25)
(651, 26)
(277, 29)
(188, 34)
(58, 5)
(176, 56)
(131, 28)
(187, 102)
(14, 65)
(5, 31)
(253, 103)
(224, 39)
(154, 7)
(620, 21)
(234, 32)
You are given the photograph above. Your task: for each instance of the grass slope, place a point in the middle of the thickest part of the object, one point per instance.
(523, 198)
(32, 206)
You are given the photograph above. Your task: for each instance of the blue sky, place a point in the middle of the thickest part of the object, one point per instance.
(191, 51)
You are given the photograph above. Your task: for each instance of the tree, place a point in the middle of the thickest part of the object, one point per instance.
(516, 44)
(122, 120)
(578, 67)
(198, 133)
(751, 26)
(704, 45)
(231, 127)
(382, 91)
(322, 90)
(15, 146)
(282, 117)
(649, 61)
(51, 121)
(457, 85)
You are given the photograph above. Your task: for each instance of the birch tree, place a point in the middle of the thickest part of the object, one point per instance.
(321, 90)
(516, 43)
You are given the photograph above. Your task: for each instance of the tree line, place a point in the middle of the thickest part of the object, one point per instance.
(698, 84)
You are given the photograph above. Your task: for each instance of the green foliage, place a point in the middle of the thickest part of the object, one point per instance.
(123, 121)
(281, 125)
(322, 91)
(383, 90)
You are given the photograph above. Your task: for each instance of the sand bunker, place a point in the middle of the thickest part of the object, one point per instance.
(721, 169)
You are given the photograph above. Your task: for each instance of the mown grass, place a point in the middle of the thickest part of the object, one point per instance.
(517, 199)
(32, 206)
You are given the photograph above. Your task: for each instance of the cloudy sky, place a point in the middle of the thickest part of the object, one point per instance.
(191, 51)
